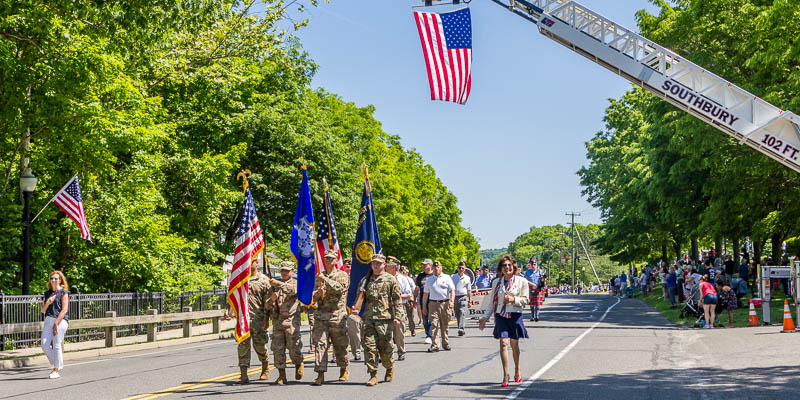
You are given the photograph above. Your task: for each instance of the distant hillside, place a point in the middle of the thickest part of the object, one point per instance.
(490, 256)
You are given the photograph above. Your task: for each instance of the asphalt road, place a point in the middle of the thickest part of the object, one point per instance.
(632, 352)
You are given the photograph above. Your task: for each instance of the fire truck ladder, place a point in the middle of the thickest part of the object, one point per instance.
(727, 107)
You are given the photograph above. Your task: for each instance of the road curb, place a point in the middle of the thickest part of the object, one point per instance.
(26, 361)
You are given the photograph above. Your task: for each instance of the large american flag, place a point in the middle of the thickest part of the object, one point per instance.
(447, 46)
(326, 234)
(249, 242)
(69, 200)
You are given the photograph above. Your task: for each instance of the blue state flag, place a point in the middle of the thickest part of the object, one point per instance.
(303, 242)
(367, 243)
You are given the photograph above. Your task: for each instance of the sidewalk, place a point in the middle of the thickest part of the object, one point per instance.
(10, 359)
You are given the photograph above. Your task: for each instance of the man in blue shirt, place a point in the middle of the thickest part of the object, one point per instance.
(623, 283)
(484, 280)
(534, 277)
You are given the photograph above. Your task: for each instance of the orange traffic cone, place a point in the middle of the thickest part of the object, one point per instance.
(788, 323)
(753, 316)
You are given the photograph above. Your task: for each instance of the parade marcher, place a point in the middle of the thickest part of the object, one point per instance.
(411, 303)
(285, 311)
(379, 293)
(419, 293)
(484, 279)
(309, 311)
(507, 300)
(330, 297)
(534, 277)
(437, 302)
(406, 293)
(353, 322)
(463, 295)
(55, 307)
(257, 297)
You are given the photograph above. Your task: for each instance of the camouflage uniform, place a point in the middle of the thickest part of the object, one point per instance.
(330, 319)
(285, 313)
(257, 302)
(382, 305)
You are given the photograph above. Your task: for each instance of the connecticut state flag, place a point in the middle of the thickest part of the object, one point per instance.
(303, 243)
(367, 243)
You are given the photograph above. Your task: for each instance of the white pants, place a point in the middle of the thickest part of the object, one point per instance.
(51, 344)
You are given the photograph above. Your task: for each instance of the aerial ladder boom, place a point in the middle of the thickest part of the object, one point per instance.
(727, 107)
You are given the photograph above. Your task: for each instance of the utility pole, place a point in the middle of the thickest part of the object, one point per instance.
(572, 236)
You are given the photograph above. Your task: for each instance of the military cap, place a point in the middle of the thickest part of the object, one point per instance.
(392, 260)
(287, 265)
(348, 260)
(427, 261)
(436, 263)
(331, 254)
(379, 257)
(462, 264)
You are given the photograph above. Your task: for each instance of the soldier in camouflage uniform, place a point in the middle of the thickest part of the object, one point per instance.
(330, 297)
(285, 311)
(379, 293)
(256, 300)
(353, 322)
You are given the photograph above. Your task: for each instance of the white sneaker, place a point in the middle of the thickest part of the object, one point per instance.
(428, 340)
(54, 375)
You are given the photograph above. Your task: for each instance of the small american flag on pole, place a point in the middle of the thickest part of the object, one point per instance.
(447, 46)
(326, 234)
(69, 200)
(249, 242)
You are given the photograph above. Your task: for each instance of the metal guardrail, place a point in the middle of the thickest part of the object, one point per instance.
(111, 322)
(23, 309)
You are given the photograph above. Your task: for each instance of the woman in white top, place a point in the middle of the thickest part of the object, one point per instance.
(508, 297)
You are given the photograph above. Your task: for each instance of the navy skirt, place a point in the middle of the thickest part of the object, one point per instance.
(512, 327)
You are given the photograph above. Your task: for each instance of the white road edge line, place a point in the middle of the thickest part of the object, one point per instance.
(558, 357)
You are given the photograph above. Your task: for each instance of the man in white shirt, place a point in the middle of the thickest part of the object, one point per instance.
(437, 302)
(463, 285)
(411, 303)
(406, 293)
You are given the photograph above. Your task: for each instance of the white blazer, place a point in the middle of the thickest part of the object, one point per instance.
(518, 289)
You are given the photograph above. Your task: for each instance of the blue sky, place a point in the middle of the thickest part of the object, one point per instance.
(510, 154)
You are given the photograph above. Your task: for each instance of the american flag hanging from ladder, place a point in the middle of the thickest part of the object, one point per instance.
(69, 200)
(447, 46)
(249, 242)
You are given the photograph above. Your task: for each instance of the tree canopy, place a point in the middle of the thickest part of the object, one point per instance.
(666, 181)
(156, 106)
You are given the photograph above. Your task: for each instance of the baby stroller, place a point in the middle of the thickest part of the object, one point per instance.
(691, 307)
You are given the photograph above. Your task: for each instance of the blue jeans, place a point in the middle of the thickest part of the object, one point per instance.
(426, 323)
(671, 291)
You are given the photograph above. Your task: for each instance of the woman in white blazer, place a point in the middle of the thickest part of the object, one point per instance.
(506, 301)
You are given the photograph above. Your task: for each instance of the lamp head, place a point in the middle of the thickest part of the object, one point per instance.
(27, 182)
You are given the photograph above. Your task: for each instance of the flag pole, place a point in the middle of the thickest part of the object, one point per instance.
(53, 198)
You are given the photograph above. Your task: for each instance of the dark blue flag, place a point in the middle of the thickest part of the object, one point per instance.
(367, 243)
(303, 243)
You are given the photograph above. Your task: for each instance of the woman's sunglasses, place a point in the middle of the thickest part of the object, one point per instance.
(55, 278)
(505, 265)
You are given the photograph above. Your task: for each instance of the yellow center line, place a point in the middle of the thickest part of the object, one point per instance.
(208, 382)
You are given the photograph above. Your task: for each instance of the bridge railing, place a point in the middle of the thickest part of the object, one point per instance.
(110, 323)
(24, 309)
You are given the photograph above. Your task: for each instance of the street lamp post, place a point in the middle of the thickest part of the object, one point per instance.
(27, 184)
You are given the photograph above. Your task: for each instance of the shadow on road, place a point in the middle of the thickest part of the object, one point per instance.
(705, 383)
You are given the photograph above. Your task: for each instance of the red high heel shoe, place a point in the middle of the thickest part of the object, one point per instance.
(505, 381)
(518, 379)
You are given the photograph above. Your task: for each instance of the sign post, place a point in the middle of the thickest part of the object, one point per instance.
(767, 273)
(796, 286)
